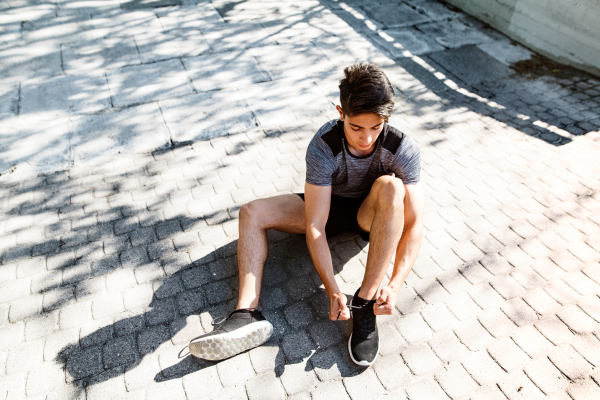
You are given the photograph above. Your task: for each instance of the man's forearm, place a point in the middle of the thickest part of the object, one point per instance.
(321, 257)
(406, 254)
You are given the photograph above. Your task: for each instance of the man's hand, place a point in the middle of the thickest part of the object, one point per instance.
(337, 306)
(385, 302)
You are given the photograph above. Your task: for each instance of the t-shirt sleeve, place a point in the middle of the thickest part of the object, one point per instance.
(319, 163)
(406, 164)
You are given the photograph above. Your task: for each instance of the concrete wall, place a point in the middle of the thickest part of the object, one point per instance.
(567, 31)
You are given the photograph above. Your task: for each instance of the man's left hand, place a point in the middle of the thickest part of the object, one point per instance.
(385, 303)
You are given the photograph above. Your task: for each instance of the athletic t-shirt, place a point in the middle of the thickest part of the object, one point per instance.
(330, 163)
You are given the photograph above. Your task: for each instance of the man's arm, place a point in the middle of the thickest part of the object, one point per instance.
(407, 250)
(318, 200)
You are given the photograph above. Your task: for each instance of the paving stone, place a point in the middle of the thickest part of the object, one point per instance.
(265, 386)
(297, 345)
(93, 54)
(118, 352)
(330, 389)
(235, 370)
(473, 335)
(545, 376)
(85, 363)
(517, 386)
(25, 356)
(482, 368)
(519, 312)
(576, 319)
(584, 389)
(420, 359)
(392, 372)
(413, 328)
(296, 379)
(363, 385)
(160, 311)
(455, 381)
(96, 138)
(164, 79)
(426, 388)
(96, 332)
(554, 330)
(148, 340)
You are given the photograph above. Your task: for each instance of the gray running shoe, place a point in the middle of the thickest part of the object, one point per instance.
(242, 330)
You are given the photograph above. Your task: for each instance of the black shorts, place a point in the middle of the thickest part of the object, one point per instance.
(343, 216)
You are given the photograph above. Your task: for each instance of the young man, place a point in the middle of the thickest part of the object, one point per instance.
(362, 176)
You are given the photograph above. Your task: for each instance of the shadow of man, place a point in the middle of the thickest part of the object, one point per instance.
(185, 304)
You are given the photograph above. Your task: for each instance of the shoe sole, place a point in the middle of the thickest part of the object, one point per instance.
(361, 363)
(220, 347)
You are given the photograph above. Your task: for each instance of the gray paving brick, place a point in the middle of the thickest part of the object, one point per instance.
(330, 389)
(455, 381)
(138, 296)
(554, 330)
(472, 334)
(265, 386)
(570, 363)
(106, 306)
(426, 388)
(84, 363)
(119, 352)
(75, 314)
(519, 312)
(25, 356)
(584, 389)
(517, 385)
(576, 320)
(545, 376)
(586, 346)
(496, 322)
(297, 345)
(393, 373)
(413, 328)
(420, 359)
(235, 370)
(363, 385)
(218, 292)
(161, 311)
(296, 379)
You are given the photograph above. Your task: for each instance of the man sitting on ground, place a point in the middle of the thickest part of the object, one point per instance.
(362, 176)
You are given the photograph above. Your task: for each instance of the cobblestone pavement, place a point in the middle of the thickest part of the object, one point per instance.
(114, 254)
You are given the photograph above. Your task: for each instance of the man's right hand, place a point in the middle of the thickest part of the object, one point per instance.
(337, 306)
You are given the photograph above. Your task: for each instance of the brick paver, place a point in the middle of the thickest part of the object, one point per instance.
(132, 132)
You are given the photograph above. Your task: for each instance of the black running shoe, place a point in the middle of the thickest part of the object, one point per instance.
(241, 330)
(363, 344)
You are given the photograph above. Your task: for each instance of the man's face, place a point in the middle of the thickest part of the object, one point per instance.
(361, 131)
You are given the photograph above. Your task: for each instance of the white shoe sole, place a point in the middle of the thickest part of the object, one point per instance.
(361, 363)
(225, 345)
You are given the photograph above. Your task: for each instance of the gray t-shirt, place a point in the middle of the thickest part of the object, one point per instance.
(330, 163)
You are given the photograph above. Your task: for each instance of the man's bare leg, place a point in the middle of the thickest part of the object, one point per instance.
(283, 213)
(245, 329)
(382, 215)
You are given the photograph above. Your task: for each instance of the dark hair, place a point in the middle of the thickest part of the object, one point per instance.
(366, 89)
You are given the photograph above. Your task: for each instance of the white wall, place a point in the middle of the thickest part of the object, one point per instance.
(567, 31)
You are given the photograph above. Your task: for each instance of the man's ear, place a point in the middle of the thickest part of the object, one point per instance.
(340, 111)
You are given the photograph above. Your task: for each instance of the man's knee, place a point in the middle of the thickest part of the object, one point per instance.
(250, 213)
(390, 191)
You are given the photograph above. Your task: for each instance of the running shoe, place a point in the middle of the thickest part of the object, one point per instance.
(363, 344)
(242, 330)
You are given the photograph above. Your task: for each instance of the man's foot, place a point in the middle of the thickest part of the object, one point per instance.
(242, 330)
(363, 344)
